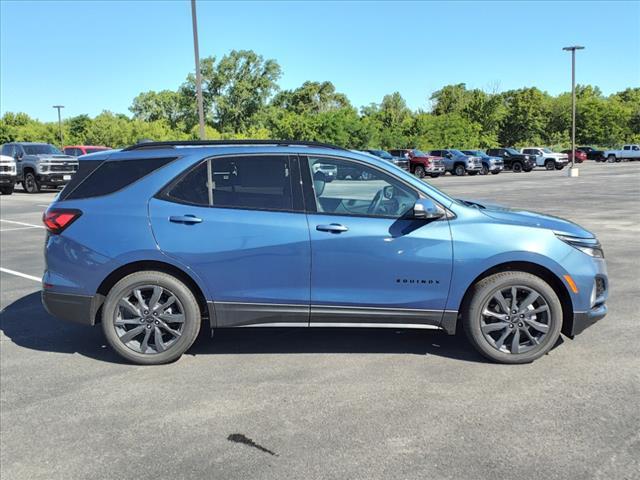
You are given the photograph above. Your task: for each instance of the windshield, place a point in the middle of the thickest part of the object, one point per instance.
(456, 152)
(512, 151)
(382, 154)
(41, 149)
(94, 150)
(477, 153)
(419, 153)
(546, 150)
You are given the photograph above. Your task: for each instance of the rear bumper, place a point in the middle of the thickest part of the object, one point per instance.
(74, 308)
(583, 320)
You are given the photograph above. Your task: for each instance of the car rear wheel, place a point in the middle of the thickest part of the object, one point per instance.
(6, 190)
(611, 159)
(30, 183)
(419, 171)
(150, 318)
(559, 167)
(513, 317)
(549, 165)
(459, 170)
(495, 172)
(516, 167)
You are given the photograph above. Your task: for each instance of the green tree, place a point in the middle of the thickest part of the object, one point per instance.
(526, 117)
(311, 97)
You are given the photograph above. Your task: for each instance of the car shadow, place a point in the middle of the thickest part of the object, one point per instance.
(26, 323)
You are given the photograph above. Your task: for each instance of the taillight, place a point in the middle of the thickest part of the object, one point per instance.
(56, 220)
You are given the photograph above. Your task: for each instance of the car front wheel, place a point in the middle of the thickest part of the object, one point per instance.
(30, 183)
(516, 167)
(459, 170)
(549, 165)
(419, 171)
(485, 169)
(150, 318)
(513, 317)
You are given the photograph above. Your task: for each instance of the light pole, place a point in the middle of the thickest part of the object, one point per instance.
(60, 107)
(194, 20)
(573, 172)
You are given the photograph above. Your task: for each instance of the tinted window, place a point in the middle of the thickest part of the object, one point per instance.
(261, 182)
(254, 182)
(111, 176)
(357, 189)
(192, 188)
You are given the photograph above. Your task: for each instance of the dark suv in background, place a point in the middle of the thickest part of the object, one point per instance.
(513, 159)
(40, 165)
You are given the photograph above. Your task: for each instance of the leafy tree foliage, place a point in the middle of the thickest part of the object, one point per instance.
(242, 100)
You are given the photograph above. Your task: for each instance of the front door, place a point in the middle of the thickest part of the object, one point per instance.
(238, 222)
(371, 263)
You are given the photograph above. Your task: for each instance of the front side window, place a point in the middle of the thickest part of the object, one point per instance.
(260, 182)
(357, 189)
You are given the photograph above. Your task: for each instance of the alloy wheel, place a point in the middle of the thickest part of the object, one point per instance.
(149, 319)
(515, 319)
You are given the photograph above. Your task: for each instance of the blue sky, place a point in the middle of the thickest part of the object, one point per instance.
(92, 56)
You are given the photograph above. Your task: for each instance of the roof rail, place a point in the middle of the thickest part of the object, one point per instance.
(206, 143)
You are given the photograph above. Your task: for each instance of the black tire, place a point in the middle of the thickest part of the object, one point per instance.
(419, 171)
(434, 175)
(516, 167)
(559, 167)
(482, 296)
(473, 173)
(612, 158)
(550, 165)
(6, 190)
(485, 169)
(30, 183)
(459, 170)
(185, 304)
(495, 172)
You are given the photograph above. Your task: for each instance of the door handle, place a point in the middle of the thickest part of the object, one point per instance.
(333, 228)
(188, 219)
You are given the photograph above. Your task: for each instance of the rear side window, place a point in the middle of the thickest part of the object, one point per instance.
(261, 182)
(109, 176)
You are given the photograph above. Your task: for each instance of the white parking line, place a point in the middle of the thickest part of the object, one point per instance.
(22, 223)
(19, 274)
(16, 228)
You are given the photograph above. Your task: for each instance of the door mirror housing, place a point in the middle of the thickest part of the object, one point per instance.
(426, 209)
(388, 192)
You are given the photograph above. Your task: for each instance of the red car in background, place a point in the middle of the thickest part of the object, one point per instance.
(77, 150)
(580, 155)
(421, 164)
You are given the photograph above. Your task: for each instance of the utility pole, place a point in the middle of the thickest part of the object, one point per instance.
(573, 172)
(196, 50)
(60, 107)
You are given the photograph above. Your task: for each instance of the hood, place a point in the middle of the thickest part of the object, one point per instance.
(530, 219)
(7, 159)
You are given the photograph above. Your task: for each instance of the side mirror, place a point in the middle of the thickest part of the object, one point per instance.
(388, 192)
(19, 155)
(426, 209)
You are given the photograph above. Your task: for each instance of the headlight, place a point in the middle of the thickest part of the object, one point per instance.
(590, 246)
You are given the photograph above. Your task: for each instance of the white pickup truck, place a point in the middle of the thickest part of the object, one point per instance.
(547, 158)
(628, 152)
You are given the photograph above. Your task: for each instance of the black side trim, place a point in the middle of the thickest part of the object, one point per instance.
(583, 320)
(74, 308)
(449, 322)
(230, 314)
(341, 314)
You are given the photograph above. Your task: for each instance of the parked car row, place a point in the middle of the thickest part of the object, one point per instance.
(38, 165)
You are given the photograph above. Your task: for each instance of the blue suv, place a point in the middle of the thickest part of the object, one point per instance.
(158, 239)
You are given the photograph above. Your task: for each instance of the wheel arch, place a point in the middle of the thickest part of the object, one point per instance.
(155, 265)
(535, 269)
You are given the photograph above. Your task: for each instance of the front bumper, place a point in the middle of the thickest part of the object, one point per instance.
(474, 168)
(74, 308)
(54, 179)
(496, 167)
(582, 320)
(7, 179)
(434, 168)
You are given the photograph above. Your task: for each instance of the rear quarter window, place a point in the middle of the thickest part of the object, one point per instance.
(96, 178)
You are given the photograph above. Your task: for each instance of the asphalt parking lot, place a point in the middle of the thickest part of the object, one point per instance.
(328, 403)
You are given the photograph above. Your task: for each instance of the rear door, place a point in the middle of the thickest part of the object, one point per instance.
(370, 262)
(238, 222)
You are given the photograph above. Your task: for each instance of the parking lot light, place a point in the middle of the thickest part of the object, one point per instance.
(573, 171)
(60, 107)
